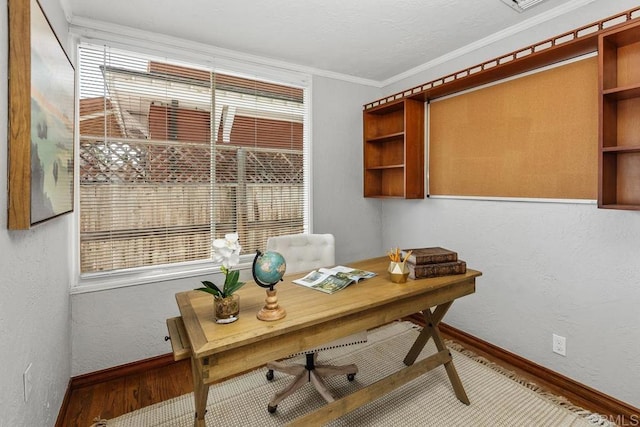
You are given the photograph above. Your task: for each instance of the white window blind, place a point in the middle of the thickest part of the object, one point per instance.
(174, 156)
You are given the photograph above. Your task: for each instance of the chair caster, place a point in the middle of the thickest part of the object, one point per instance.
(351, 377)
(270, 377)
(272, 409)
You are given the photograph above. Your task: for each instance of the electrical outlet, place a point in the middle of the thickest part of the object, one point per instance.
(559, 345)
(28, 382)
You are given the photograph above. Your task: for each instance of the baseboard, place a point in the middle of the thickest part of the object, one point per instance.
(63, 408)
(617, 411)
(121, 371)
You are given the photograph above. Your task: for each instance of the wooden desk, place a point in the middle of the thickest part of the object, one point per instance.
(314, 318)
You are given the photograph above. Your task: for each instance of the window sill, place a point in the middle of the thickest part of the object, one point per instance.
(112, 280)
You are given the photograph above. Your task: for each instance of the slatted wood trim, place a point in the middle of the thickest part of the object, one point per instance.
(574, 43)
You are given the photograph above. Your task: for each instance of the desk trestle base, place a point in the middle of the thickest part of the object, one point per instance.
(336, 409)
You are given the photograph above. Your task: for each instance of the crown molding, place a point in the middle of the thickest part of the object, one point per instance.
(66, 9)
(495, 37)
(90, 29)
(94, 30)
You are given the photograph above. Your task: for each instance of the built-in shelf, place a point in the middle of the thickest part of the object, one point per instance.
(619, 127)
(387, 167)
(630, 149)
(385, 138)
(619, 94)
(394, 150)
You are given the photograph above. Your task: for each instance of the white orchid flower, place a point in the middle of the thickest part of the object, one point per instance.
(227, 250)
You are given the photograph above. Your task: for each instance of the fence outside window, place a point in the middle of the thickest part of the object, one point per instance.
(172, 157)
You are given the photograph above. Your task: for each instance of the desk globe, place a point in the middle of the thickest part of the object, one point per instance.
(268, 269)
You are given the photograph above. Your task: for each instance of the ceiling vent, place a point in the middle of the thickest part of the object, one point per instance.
(521, 5)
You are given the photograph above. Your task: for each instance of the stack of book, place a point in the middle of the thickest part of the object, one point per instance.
(433, 262)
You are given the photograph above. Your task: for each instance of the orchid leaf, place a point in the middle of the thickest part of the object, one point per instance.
(231, 278)
(232, 283)
(213, 288)
(233, 287)
(213, 292)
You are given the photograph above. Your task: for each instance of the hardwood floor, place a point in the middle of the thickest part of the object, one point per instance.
(116, 392)
(114, 397)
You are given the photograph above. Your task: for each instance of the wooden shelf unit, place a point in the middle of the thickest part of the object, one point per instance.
(619, 127)
(619, 102)
(394, 150)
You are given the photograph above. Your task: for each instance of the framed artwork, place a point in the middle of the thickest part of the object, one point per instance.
(41, 119)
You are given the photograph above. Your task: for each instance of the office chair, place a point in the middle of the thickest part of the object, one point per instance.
(304, 252)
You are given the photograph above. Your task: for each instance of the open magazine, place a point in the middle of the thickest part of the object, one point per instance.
(331, 280)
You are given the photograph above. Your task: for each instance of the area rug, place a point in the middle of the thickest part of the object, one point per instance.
(497, 399)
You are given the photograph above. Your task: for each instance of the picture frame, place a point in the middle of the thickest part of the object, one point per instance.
(41, 119)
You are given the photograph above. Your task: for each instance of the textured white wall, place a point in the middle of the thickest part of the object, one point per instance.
(118, 326)
(338, 205)
(34, 290)
(569, 269)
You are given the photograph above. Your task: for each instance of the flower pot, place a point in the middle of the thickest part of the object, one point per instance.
(398, 272)
(226, 309)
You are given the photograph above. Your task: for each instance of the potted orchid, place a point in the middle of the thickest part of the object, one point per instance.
(226, 303)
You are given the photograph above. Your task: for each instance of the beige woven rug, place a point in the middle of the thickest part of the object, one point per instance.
(496, 398)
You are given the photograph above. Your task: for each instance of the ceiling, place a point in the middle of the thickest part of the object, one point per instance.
(366, 39)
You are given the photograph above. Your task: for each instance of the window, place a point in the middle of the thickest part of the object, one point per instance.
(173, 156)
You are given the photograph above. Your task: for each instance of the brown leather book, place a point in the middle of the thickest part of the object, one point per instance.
(430, 255)
(436, 270)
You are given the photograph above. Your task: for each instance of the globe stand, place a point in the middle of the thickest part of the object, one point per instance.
(271, 310)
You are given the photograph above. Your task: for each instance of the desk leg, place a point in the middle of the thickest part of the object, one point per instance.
(431, 330)
(200, 392)
(431, 320)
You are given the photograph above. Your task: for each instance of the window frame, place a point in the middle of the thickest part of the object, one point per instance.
(98, 281)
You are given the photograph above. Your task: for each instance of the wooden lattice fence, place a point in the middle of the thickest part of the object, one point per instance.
(130, 216)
